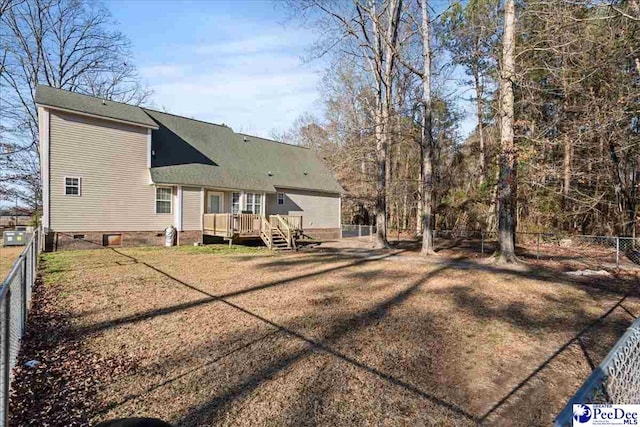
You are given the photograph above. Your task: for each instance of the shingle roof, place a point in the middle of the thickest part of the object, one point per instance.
(59, 98)
(193, 152)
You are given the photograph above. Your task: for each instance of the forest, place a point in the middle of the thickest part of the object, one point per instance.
(554, 87)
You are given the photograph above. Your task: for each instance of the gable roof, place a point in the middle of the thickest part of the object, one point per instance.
(92, 106)
(193, 152)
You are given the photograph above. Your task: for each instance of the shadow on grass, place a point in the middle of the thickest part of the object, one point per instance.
(135, 318)
(337, 330)
(475, 307)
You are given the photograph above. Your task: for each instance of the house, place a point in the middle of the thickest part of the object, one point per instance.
(119, 174)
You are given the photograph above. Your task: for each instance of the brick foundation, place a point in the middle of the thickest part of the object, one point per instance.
(93, 239)
(59, 241)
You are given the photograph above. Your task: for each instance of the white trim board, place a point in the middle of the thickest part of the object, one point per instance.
(45, 169)
(96, 116)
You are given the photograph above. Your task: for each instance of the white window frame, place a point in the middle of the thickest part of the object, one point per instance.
(170, 200)
(64, 182)
(240, 209)
(255, 196)
(280, 197)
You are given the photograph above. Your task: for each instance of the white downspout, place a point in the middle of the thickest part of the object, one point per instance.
(44, 167)
(178, 215)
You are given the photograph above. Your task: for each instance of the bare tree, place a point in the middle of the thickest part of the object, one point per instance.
(65, 44)
(427, 141)
(368, 35)
(507, 184)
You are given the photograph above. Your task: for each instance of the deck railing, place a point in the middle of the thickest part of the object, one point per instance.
(247, 223)
(294, 222)
(218, 224)
(227, 225)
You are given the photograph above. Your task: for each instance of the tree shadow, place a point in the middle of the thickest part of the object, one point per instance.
(336, 330)
(346, 327)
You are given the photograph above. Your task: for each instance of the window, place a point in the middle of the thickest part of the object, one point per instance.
(78, 237)
(71, 186)
(254, 203)
(235, 203)
(281, 198)
(163, 200)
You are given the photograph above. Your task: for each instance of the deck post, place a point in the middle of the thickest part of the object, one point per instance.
(231, 242)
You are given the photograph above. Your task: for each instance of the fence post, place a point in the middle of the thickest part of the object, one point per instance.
(359, 231)
(6, 357)
(371, 233)
(618, 251)
(482, 243)
(23, 287)
(538, 250)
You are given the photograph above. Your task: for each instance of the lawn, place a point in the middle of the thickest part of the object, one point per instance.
(218, 336)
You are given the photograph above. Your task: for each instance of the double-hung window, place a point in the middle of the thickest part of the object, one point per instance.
(72, 186)
(254, 203)
(235, 203)
(163, 200)
(281, 198)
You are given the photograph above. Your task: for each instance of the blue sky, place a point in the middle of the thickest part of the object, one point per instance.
(233, 62)
(229, 62)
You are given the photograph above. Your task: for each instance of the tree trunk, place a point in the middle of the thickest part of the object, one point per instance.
(507, 183)
(480, 117)
(427, 137)
(566, 167)
(381, 181)
(419, 212)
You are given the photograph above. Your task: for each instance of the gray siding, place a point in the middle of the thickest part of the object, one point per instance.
(111, 160)
(191, 206)
(318, 210)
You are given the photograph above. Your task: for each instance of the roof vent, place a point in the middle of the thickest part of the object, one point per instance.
(305, 172)
(270, 173)
(104, 102)
(245, 139)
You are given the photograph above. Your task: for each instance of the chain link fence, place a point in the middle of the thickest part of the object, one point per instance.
(360, 231)
(612, 250)
(603, 250)
(615, 381)
(15, 298)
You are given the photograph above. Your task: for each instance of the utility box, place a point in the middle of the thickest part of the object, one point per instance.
(14, 238)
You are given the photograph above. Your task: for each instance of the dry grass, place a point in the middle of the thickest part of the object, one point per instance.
(8, 255)
(331, 338)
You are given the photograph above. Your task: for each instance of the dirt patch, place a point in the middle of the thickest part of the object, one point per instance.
(8, 255)
(328, 337)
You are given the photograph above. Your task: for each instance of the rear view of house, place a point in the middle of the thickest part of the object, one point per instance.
(118, 174)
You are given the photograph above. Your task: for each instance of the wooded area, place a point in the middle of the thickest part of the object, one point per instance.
(556, 91)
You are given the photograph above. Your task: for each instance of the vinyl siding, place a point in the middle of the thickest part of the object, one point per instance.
(111, 160)
(318, 210)
(191, 206)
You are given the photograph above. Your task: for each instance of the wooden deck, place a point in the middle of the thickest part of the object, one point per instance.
(276, 231)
